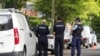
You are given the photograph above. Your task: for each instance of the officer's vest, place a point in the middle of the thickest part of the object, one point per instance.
(78, 31)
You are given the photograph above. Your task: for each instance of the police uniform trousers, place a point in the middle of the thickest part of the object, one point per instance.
(59, 44)
(43, 45)
(76, 44)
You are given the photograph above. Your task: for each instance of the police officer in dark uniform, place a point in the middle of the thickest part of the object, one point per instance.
(41, 33)
(76, 40)
(58, 29)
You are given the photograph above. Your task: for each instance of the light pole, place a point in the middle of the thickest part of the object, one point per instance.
(1, 5)
(53, 14)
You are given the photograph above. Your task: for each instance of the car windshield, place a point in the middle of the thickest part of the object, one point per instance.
(5, 22)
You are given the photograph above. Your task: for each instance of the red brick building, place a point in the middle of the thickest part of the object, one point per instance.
(29, 10)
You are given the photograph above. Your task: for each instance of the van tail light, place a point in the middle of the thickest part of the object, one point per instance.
(84, 38)
(50, 37)
(66, 40)
(16, 36)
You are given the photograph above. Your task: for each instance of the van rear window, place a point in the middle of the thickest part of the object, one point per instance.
(5, 22)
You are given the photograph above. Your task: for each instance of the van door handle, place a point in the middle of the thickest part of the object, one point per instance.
(9, 35)
(21, 29)
(30, 34)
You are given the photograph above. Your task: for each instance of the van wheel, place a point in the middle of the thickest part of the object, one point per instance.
(90, 45)
(23, 53)
(36, 50)
(52, 52)
(36, 54)
(68, 47)
(83, 45)
(95, 44)
(86, 46)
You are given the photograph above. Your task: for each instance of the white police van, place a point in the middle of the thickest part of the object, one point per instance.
(51, 41)
(67, 38)
(16, 38)
(89, 37)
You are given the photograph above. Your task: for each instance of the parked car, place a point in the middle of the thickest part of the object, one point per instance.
(51, 41)
(67, 38)
(88, 37)
(94, 38)
(16, 37)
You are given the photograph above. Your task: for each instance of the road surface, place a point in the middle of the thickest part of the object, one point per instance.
(84, 52)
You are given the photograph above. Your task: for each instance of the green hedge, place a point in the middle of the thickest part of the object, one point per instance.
(34, 21)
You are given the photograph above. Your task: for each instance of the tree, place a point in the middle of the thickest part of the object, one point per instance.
(91, 7)
(68, 9)
(14, 3)
(44, 6)
(96, 25)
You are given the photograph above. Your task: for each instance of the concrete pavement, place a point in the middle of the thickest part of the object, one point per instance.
(84, 52)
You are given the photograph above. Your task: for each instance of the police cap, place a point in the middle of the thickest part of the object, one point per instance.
(77, 19)
(59, 18)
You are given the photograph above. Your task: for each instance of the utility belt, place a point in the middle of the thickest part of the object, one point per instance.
(59, 34)
(77, 35)
(42, 35)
